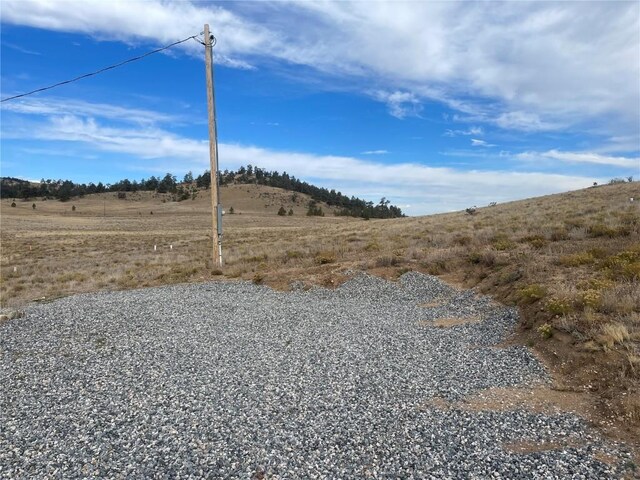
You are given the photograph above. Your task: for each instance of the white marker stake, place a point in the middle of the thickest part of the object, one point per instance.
(170, 247)
(15, 269)
(155, 247)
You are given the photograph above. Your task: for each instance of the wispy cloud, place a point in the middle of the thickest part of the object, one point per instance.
(581, 157)
(522, 120)
(375, 152)
(400, 104)
(65, 106)
(470, 131)
(480, 143)
(144, 143)
(20, 49)
(511, 64)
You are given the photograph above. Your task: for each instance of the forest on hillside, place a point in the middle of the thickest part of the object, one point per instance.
(186, 189)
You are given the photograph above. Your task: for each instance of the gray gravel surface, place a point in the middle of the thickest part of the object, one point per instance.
(234, 380)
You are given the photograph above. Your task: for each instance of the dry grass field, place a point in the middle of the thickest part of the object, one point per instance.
(570, 262)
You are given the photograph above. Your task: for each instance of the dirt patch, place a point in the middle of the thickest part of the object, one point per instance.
(452, 322)
(605, 458)
(524, 447)
(538, 399)
(433, 304)
(541, 399)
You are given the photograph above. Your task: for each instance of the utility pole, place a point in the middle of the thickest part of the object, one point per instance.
(216, 208)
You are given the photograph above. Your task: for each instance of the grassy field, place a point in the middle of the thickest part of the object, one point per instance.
(570, 262)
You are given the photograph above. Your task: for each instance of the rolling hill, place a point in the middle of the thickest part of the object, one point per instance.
(569, 262)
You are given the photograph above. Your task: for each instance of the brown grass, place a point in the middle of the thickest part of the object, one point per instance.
(571, 261)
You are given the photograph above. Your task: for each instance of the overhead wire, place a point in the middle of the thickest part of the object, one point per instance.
(110, 67)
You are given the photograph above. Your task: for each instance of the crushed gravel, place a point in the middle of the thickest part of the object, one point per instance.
(235, 380)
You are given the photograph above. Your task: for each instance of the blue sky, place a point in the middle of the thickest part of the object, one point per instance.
(436, 106)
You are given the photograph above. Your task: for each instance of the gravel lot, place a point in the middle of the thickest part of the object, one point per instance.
(234, 380)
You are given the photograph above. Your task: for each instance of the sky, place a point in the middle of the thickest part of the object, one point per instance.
(436, 106)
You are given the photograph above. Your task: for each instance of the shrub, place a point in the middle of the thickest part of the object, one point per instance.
(503, 244)
(531, 293)
(597, 252)
(546, 330)
(13, 204)
(591, 299)
(73, 208)
(536, 241)
(613, 333)
(387, 261)
(623, 266)
(602, 230)
(314, 210)
(462, 240)
(372, 245)
(282, 212)
(474, 258)
(508, 277)
(33, 206)
(559, 306)
(596, 284)
(576, 259)
(290, 211)
(558, 234)
(322, 258)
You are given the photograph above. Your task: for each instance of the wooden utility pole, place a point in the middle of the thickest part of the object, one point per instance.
(216, 208)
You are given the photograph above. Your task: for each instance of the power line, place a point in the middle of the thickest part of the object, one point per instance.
(140, 57)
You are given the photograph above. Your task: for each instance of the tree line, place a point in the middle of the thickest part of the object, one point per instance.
(64, 190)
(347, 206)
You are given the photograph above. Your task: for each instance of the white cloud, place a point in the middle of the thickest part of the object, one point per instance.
(519, 65)
(520, 120)
(147, 20)
(66, 106)
(400, 104)
(375, 152)
(470, 131)
(480, 143)
(145, 143)
(581, 157)
(427, 189)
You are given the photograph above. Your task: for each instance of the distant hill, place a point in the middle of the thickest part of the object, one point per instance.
(340, 204)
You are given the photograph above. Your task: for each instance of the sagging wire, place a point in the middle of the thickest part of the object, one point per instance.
(110, 67)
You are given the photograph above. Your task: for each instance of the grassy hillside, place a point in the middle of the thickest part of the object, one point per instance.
(570, 262)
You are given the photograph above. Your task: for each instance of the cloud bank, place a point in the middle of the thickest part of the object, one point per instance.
(530, 66)
(152, 148)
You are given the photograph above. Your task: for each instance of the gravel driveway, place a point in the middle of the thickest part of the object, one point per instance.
(235, 380)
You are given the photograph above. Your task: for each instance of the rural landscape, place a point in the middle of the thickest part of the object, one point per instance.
(271, 240)
(569, 262)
